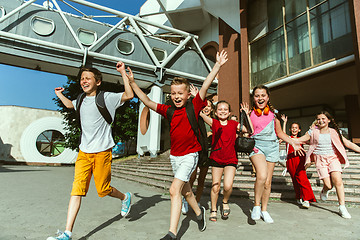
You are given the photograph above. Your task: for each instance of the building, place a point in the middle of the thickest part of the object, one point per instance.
(306, 51)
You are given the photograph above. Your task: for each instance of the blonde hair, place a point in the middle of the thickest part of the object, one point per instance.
(179, 81)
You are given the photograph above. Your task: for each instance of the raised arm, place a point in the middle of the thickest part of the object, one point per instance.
(245, 107)
(221, 59)
(128, 94)
(141, 95)
(296, 144)
(284, 118)
(67, 102)
(208, 120)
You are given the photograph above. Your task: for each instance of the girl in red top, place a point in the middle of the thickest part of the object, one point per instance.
(223, 158)
(295, 164)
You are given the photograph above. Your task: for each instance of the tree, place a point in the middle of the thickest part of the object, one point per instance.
(126, 117)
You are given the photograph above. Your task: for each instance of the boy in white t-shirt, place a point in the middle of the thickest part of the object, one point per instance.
(96, 143)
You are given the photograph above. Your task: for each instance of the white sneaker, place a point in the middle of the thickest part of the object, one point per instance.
(299, 201)
(266, 216)
(305, 204)
(255, 213)
(324, 195)
(185, 206)
(343, 212)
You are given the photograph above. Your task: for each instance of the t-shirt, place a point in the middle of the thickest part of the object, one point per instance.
(182, 138)
(223, 142)
(96, 132)
(324, 146)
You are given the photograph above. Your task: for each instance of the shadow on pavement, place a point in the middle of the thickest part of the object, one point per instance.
(13, 170)
(103, 225)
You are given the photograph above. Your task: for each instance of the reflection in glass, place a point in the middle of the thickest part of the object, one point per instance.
(50, 143)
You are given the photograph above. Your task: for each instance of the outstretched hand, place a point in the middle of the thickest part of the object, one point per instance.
(130, 75)
(120, 66)
(298, 149)
(221, 58)
(193, 90)
(245, 107)
(284, 117)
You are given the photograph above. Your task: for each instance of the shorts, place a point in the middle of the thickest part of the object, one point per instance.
(87, 164)
(270, 149)
(214, 163)
(183, 166)
(325, 164)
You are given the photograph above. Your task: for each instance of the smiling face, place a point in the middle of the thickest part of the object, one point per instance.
(322, 121)
(179, 94)
(222, 111)
(208, 108)
(295, 129)
(88, 83)
(261, 98)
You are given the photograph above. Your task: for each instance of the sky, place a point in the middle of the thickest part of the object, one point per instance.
(35, 89)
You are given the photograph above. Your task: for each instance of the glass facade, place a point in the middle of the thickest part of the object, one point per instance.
(301, 34)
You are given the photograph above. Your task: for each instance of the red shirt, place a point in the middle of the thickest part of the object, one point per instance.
(224, 137)
(182, 137)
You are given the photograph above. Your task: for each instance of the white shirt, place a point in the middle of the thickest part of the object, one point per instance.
(324, 146)
(96, 132)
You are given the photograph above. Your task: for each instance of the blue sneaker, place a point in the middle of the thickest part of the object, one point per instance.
(126, 205)
(61, 236)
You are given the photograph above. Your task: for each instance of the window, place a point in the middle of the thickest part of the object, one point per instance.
(86, 37)
(42, 26)
(160, 54)
(50, 143)
(2, 11)
(125, 46)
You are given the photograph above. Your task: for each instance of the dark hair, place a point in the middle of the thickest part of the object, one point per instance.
(332, 124)
(299, 133)
(277, 115)
(96, 72)
(179, 81)
(212, 115)
(220, 102)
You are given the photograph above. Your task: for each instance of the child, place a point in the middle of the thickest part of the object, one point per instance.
(96, 143)
(184, 144)
(202, 166)
(265, 154)
(223, 157)
(328, 152)
(295, 165)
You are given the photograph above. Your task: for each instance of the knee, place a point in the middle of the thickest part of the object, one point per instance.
(267, 185)
(174, 191)
(215, 188)
(227, 187)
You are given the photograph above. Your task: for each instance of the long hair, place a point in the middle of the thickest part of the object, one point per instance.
(299, 133)
(332, 124)
(272, 109)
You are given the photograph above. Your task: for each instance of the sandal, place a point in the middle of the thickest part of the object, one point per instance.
(225, 212)
(213, 218)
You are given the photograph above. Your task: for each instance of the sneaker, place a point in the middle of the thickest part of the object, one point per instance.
(266, 217)
(305, 204)
(168, 237)
(185, 206)
(61, 236)
(126, 205)
(343, 212)
(299, 201)
(202, 221)
(324, 195)
(255, 213)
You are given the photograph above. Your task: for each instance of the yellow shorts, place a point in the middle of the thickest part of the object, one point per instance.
(87, 164)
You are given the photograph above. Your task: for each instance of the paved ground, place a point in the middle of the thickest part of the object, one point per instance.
(34, 204)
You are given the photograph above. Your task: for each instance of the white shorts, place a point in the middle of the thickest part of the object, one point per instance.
(183, 166)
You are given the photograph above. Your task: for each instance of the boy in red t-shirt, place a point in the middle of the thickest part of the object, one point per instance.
(184, 144)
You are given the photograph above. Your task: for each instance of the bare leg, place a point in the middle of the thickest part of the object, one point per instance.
(190, 198)
(201, 183)
(259, 162)
(338, 183)
(117, 194)
(215, 189)
(267, 186)
(229, 174)
(73, 209)
(175, 196)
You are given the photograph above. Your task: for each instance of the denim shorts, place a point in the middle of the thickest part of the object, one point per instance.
(183, 166)
(270, 149)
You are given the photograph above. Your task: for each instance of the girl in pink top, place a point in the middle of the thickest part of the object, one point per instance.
(223, 158)
(265, 154)
(328, 152)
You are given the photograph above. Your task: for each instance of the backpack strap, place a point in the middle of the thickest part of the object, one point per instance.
(169, 113)
(79, 100)
(100, 104)
(190, 112)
